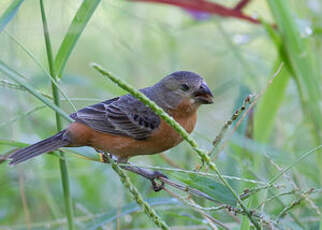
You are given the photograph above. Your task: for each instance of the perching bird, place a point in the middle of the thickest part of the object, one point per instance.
(125, 127)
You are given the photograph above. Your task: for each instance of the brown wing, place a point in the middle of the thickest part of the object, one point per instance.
(124, 115)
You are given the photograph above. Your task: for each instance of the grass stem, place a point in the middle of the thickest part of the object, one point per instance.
(149, 211)
(62, 160)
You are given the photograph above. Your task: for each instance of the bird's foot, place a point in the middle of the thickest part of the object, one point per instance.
(148, 174)
(155, 185)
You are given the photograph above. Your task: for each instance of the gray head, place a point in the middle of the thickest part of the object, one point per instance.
(184, 85)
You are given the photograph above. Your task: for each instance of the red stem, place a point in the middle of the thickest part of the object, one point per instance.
(208, 7)
(240, 5)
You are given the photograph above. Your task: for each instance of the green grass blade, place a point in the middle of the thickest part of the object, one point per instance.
(12, 74)
(29, 53)
(269, 104)
(77, 26)
(245, 223)
(13, 143)
(51, 64)
(13, 86)
(303, 156)
(299, 55)
(20, 116)
(9, 13)
(297, 52)
(136, 195)
(59, 124)
(9, 85)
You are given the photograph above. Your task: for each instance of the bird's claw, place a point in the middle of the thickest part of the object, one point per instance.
(155, 185)
(148, 174)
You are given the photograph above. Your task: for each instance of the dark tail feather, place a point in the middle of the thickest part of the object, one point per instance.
(44, 146)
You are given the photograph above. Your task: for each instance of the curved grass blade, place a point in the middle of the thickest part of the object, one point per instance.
(9, 13)
(10, 85)
(13, 86)
(20, 116)
(302, 63)
(12, 74)
(29, 53)
(75, 29)
(268, 106)
(303, 156)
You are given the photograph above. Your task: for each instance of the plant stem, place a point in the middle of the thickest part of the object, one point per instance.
(149, 211)
(62, 161)
(304, 155)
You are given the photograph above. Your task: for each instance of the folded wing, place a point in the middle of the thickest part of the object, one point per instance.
(124, 116)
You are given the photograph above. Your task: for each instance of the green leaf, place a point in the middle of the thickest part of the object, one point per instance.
(12, 74)
(269, 105)
(301, 62)
(75, 29)
(10, 12)
(245, 223)
(128, 209)
(212, 188)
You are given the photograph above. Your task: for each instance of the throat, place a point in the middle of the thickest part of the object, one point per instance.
(185, 109)
(185, 114)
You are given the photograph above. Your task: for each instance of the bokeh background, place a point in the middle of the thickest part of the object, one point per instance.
(141, 43)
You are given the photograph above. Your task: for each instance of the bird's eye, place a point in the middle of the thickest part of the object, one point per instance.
(185, 87)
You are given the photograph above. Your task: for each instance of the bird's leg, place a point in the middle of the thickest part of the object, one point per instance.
(148, 174)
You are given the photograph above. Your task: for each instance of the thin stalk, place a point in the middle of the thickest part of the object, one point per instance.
(282, 172)
(52, 79)
(62, 160)
(148, 210)
(201, 210)
(18, 78)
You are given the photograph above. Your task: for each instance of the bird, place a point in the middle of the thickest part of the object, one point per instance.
(124, 127)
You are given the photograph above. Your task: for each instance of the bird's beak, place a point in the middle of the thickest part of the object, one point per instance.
(203, 94)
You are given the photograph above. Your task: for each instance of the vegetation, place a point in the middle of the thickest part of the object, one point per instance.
(254, 160)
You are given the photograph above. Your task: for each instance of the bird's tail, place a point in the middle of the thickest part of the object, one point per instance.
(44, 146)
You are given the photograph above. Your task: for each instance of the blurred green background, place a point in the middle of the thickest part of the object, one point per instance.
(141, 43)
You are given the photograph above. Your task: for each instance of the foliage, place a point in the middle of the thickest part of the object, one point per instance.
(260, 168)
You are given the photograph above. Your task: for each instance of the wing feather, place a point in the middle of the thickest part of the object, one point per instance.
(124, 115)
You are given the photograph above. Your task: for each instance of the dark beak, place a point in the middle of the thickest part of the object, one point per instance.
(203, 94)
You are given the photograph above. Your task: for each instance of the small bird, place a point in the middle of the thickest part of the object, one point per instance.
(124, 127)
